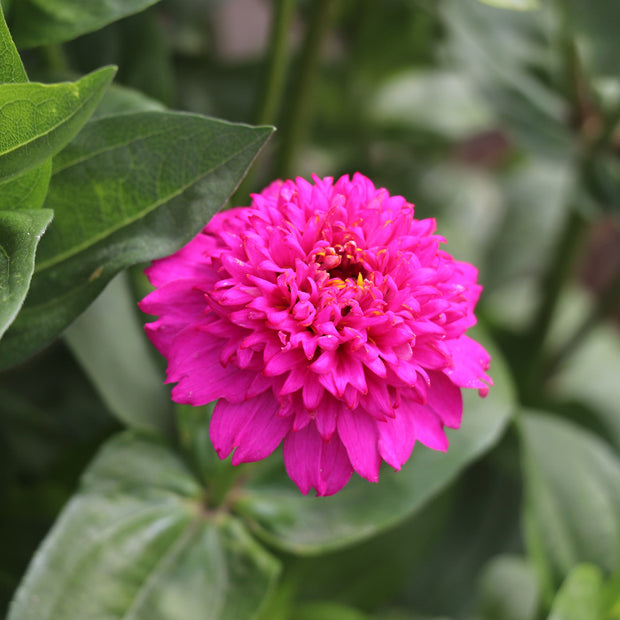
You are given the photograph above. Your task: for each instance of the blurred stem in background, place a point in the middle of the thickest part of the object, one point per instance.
(607, 301)
(299, 106)
(274, 81)
(270, 96)
(55, 59)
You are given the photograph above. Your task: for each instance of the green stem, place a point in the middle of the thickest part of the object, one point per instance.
(553, 282)
(56, 59)
(605, 306)
(301, 99)
(277, 64)
(272, 88)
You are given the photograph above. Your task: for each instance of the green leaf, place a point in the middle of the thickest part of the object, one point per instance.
(572, 482)
(508, 590)
(37, 120)
(122, 100)
(136, 542)
(580, 596)
(108, 341)
(288, 520)
(20, 232)
(27, 191)
(11, 67)
(515, 5)
(40, 22)
(128, 189)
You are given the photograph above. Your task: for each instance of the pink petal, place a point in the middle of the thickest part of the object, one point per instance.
(188, 262)
(194, 363)
(312, 462)
(327, 416)
(396, 438)
(469, 361)
(179, 305)
(252, 427)
(445, 399)
(358, 433)
(427, 424)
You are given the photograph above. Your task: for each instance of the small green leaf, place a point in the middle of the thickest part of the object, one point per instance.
(572, 482)
(135, 542)
(508, 590)
(128, 189)
(515, 5)
(40, 22)
(108, 341)
(580, 596)
(11, 67)
(37, 120)
(20, 232)
(298, 524)
(28, 190)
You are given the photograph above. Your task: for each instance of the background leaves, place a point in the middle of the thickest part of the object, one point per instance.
(20, 232)
(127, 190)
(148, 547)
(572, 481)
(40, 22)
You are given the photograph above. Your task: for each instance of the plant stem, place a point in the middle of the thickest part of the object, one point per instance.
(277, 64)
(272, 88)
(606, 304)
(553, 282)
(56, 59)
(300, 103)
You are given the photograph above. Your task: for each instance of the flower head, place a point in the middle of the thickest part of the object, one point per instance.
(325, 316)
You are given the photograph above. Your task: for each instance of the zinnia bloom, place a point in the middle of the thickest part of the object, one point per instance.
(325, 316)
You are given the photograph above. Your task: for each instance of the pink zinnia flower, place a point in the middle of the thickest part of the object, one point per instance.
(323, 315)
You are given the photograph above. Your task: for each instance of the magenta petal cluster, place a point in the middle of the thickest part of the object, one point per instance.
(326, 317)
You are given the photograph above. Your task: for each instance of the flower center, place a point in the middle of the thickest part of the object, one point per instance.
(342, 261)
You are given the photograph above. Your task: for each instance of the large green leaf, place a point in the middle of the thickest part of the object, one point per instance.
(40, 22)
(128, 189)
(37, 120)
(289, 520)
(136, 542)
(108, 341)
(20, 232)
(572, 510)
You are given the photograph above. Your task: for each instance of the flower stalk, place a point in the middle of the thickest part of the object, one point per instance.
(299, 108)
